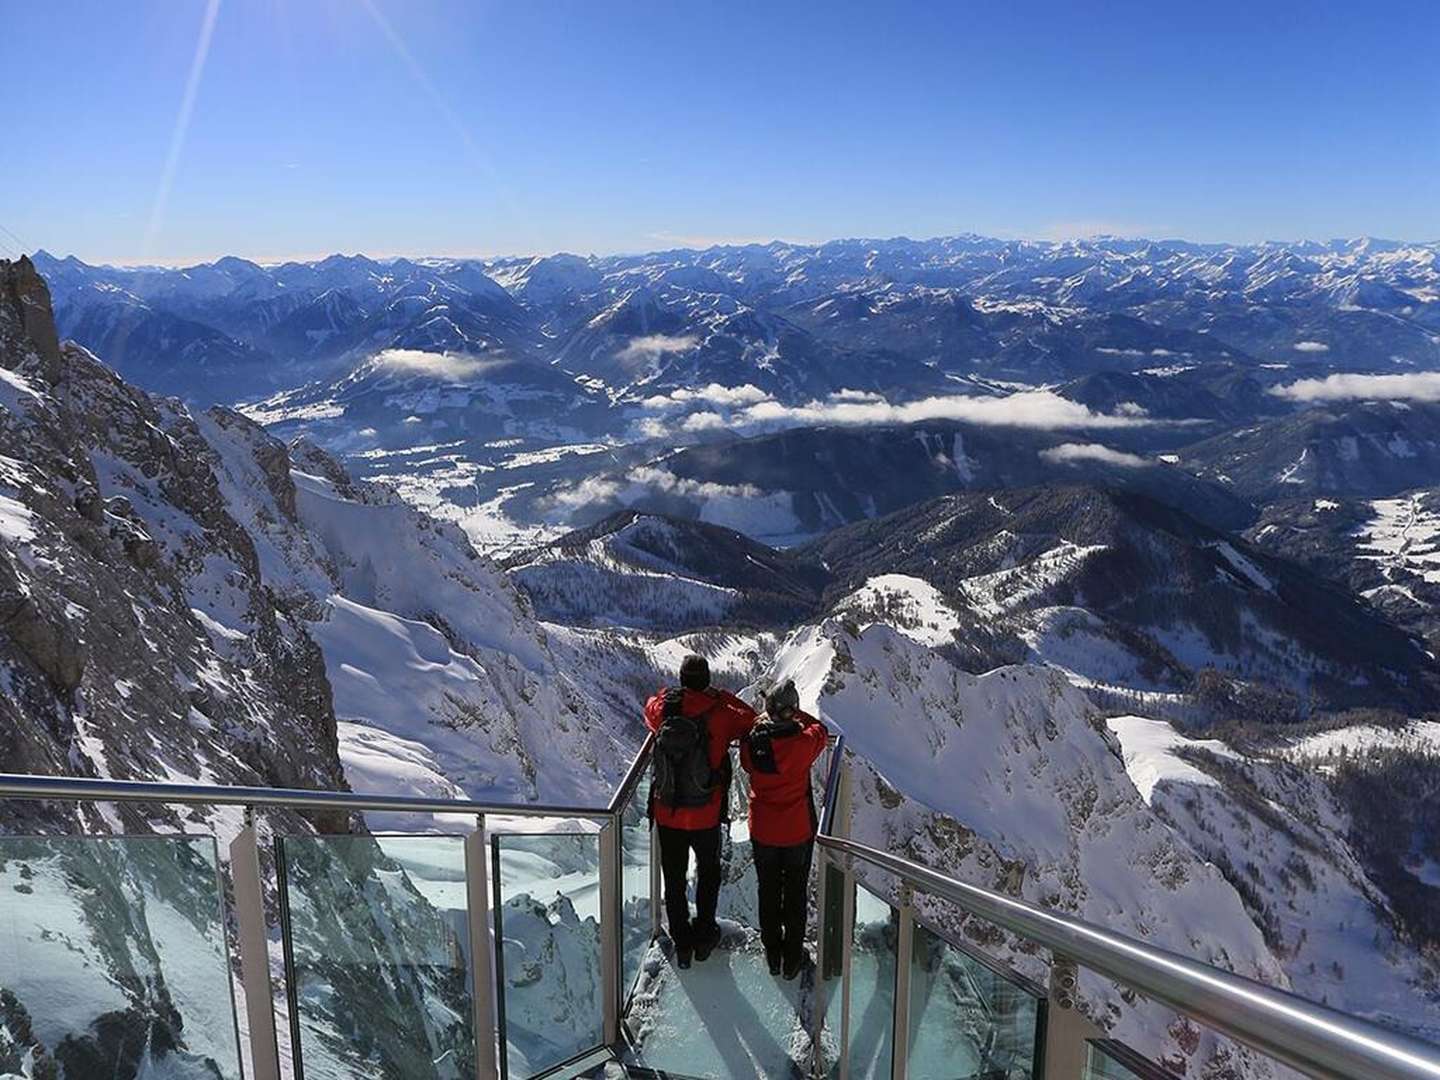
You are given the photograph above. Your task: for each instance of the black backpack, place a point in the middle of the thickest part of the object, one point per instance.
(680, 768)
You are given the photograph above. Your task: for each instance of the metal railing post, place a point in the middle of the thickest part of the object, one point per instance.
(657, 904)
(834, 818)
(610, 936)
(847, 949)
(819, 994)
(1067, 1030)
(482, 958)
(904, 944)
(254, 953)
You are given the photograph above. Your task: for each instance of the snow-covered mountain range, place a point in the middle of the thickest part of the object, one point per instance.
(1111, 558)
(792, 319)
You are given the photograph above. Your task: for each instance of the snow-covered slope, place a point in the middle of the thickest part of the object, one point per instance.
(1118, 590)
(1010, 780)
(1386, 550)
(1284, 840)
(422, 638)
(656, 572)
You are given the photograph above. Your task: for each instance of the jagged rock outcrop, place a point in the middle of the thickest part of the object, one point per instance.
(26, 315)
(139, 638)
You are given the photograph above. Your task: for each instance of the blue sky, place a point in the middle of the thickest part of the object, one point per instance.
(481, 128)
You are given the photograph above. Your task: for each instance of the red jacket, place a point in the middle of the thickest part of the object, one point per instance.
(781, 809)
(727, 718)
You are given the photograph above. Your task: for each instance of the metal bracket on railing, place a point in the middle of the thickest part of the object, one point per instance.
(254, 951)
(482, 959)
(1067, 1030)
(1064, 981)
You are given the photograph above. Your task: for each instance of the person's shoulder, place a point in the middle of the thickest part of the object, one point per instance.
(812, 726)
(735, 707)
(735, 701)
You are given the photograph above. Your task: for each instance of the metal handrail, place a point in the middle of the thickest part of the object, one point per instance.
(1312, 1038)
(632, 776)
(85, 789)
(832, 785)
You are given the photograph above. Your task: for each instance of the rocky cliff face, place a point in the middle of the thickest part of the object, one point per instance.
(186, 597)
(141, 640)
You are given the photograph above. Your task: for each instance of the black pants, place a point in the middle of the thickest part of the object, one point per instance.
(675, 848)
(784, 877)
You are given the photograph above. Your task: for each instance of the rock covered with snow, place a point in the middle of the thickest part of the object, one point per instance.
(1283, 837)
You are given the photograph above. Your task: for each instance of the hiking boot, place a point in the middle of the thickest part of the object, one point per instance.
(774, 963)
(705, 942)
(682, 959)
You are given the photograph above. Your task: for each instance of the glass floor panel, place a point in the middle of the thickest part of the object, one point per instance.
(725, 1017)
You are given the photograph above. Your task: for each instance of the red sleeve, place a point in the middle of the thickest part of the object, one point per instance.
(739, 717)
(655, 711)
(817, 736)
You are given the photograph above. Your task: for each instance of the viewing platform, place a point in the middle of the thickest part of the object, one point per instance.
(531, 944)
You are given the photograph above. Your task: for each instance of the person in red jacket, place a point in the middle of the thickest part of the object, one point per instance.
(694, 725)
(778, 754)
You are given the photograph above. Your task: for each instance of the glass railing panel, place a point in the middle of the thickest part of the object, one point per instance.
(547, 926)
(1110, 1060)
(113, 960)
(377, 956)
(872, 987)
(636, 911)
(966, 1020)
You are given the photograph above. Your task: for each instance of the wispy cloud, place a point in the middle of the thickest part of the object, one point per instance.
(648, 346)
(1311, 346)
(1419, 386)
(1028, 409)
(748, 409)
(1070, 453)
(713, 394)
(445, 366)
(638, 483)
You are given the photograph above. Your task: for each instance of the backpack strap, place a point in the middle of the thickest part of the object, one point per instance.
(674, 704)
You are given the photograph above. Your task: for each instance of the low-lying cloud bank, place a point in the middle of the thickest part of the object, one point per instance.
(648, 346)
(1069, 453)
(433, 364)
(714, 394)
(1415, 386)
(748, 409)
